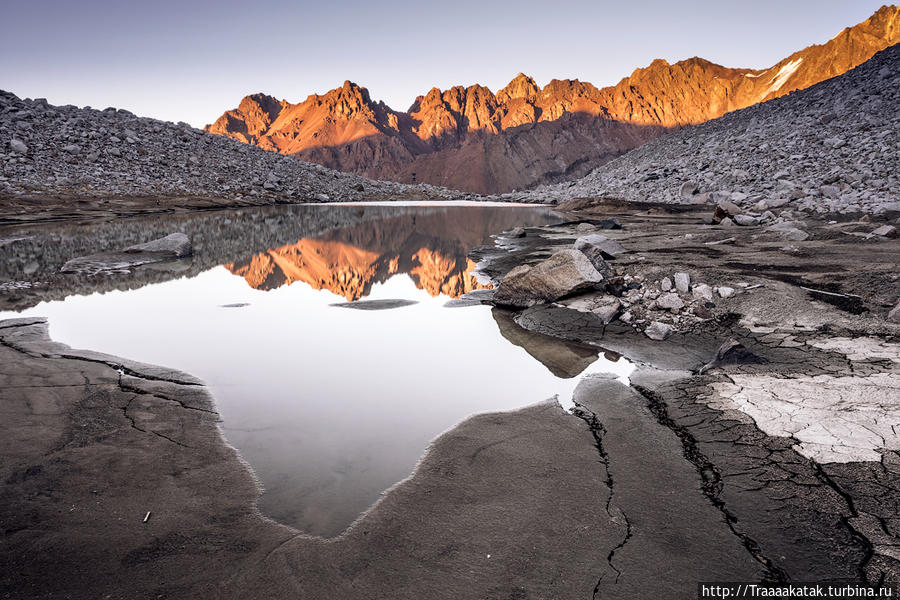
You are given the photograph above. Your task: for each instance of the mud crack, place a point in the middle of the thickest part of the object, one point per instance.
(616, 514)
(712, 481)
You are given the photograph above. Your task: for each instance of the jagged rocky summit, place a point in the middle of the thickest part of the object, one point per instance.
(470, 138)
(832, 148)
(70, 152)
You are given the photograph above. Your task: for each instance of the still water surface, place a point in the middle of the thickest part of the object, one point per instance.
(332, 405)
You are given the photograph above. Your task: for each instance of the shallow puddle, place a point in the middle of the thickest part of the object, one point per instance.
(330, 406)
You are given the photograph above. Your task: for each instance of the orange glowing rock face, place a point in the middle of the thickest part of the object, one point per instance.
(469, 138)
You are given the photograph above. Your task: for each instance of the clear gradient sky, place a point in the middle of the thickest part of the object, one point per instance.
(191, 60)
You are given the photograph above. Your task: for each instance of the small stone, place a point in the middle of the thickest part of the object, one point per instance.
(727, 222)
(830, 191)
(666, 284)
(670, 301)
(702, 312)
(796, 235)
(688, 189)
(518, 232)
(682, 282)
(888, 231)
(322, 197)
(702, 291)
(745, 220)
(584, 227)
(18, 146)
(834, 142)
(725, 292)
(596, 244)
(658, 331)
(176, 244)
(72, 148)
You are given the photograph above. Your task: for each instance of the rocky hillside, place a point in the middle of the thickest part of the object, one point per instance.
(471, 138)
(831, 148)
(69, 152)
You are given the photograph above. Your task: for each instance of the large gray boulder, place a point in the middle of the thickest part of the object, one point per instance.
(176, 244)
(564, 273)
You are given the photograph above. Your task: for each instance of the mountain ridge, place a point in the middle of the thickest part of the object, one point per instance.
(472, 139)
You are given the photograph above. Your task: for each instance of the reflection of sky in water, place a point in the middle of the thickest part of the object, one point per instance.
(329, 405)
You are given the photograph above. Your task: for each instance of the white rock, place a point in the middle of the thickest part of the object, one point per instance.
(702, 292)
(682, 282)
(658, 331)
(670, 301)
(18, 146)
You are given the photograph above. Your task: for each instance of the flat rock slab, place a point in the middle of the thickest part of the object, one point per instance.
(676, 537)
(171, 247)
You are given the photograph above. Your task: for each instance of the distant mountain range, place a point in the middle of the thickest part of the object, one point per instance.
(472, 139)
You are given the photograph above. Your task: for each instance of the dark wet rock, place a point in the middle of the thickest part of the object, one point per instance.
(724, 210)
(617, 286)
(172, 247)
(564, 273)
(518, 232)
(731, 352)
(473, 298)
(610, 223)
(176, 244)
(563, 359)
(386, 304)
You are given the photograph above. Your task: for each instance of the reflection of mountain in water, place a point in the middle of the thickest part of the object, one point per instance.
(431, 247)
(429, 242)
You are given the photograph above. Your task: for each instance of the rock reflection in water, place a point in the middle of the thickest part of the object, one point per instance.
(431, 247)
(330, 407)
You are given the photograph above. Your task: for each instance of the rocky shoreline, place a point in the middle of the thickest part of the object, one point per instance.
(713, 464)
(779, 377)
(63, 162)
